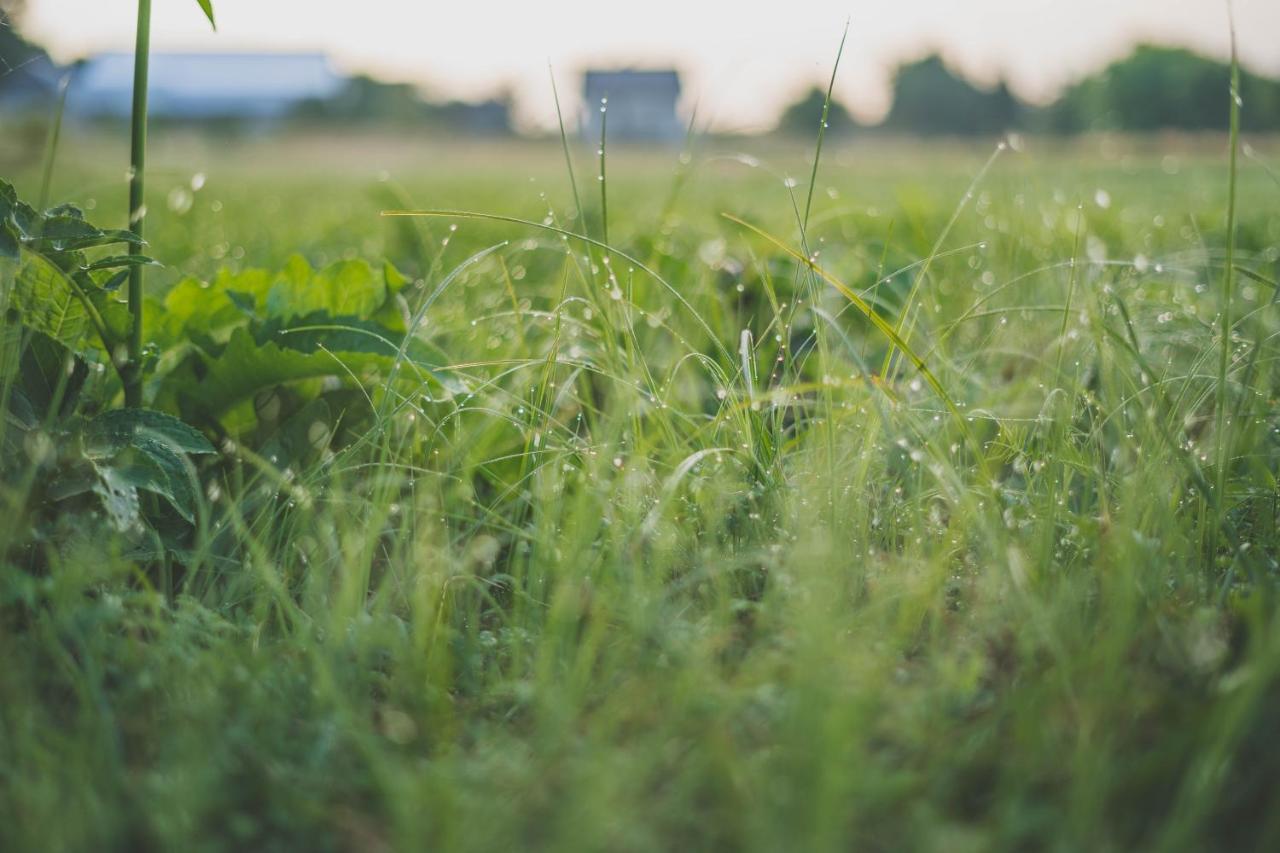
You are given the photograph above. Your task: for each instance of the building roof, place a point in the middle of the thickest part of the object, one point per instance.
(599, 83)
(203, 85)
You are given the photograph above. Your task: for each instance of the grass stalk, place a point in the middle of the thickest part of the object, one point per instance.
(1228, 281)
(137, 202)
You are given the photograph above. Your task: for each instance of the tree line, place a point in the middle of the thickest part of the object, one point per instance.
(1153, 88)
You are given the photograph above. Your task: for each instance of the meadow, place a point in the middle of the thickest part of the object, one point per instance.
(909, 501)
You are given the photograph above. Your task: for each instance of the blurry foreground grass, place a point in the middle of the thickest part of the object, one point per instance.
(685, 565)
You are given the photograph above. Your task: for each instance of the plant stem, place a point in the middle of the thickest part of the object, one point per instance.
(137, 206)
(51, 142)
(1224, 360)
(604, 193)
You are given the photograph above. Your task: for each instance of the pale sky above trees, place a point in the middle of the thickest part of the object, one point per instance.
(742, 61)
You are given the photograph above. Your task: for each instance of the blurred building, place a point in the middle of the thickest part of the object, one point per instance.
(204, 86)
(642, 105)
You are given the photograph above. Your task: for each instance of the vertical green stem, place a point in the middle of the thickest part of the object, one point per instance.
(137, 206)
(604, 183)
(51, 142)
(1224, 361)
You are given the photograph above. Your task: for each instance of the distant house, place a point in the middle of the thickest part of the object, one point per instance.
(201, 86)
(641, 104)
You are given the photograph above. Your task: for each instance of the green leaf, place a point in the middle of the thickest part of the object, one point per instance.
(213, 385)
(122, 261)
(21, 411)
(114, 282)
(26, 219)
(207, 7)
(159, 470)
(10, 245)
(66, 210)
(111, 432)
(49, 375)
(45, 300)
(346, 288)
(395, 279)
(114, 313)
(119, 498)
(193, 308)
(64, 228)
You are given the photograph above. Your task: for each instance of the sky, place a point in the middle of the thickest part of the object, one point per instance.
(742, 61)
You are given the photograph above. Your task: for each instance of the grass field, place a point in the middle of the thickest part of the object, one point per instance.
(668, 546)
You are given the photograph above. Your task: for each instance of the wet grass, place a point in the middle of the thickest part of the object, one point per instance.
(697, 560)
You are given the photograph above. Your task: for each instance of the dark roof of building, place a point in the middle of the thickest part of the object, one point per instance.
(599, 83)
(203, 84)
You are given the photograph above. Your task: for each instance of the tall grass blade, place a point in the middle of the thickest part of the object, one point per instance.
(137, 202)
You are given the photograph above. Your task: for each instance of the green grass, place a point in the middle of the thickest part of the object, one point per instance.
(618, 595)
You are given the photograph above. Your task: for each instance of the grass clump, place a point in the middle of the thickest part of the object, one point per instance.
(565, 541)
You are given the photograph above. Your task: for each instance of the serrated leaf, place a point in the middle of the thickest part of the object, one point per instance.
(246, 366)
(46, 301)
(346, 288)
(193, 308)
(114, 431)
(154, 467)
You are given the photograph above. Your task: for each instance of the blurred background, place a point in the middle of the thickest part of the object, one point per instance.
(919, 67)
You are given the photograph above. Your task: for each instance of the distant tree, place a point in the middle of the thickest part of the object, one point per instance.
(366, 100)
(1163, 88)
(928, 98)
(803, 117)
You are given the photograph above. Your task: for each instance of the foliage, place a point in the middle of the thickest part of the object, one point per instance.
(365, 100)
(226, 342)
(617, 555)
(1163, 88)
(804, 116)
(929, 98)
